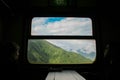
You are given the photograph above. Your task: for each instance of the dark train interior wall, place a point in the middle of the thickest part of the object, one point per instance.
(12, 28)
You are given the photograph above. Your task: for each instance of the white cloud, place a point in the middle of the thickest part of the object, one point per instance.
(89, 47)
(86, 46)
(63, 27)
(38, 20)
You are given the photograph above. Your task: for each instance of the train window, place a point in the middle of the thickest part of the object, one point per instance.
(61, 26)
(61, 40)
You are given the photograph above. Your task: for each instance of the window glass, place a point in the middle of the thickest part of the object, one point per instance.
(61, 26)
(61, 51)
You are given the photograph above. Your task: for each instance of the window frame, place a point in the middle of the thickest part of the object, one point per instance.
(96, 37)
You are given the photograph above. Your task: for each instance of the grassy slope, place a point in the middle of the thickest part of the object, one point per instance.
(43, 52)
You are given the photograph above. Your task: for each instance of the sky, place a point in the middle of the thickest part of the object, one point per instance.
(88, 47)
(66, 26)
(61, 26)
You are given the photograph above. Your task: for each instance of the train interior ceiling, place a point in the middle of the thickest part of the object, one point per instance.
(15, 18)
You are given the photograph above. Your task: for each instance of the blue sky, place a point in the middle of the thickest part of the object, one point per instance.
(61, 26)
(53, 19)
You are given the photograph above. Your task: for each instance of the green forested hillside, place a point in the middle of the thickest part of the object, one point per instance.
(43, 52)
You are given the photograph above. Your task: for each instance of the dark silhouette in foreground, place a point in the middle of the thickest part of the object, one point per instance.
(10, 53)
(9, 60)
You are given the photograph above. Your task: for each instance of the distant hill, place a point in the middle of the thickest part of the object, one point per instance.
(44, 52)
(91, 55)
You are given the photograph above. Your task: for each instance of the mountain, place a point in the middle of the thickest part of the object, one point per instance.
(91, 55)
(44, 52)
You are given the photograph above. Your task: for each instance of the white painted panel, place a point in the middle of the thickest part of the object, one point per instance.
(50, 76)
(78, 76)
(64, 75)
